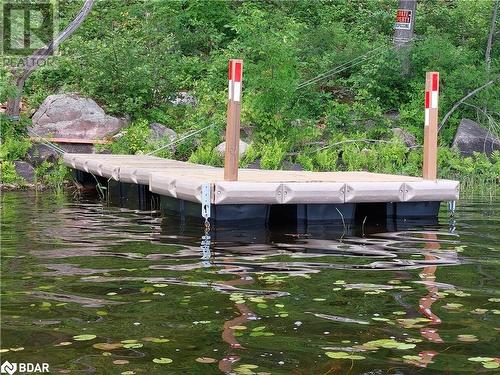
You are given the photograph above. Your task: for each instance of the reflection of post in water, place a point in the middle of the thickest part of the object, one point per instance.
(228, 336)
(425, 303)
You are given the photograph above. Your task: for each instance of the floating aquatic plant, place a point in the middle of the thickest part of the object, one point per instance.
(162, 360)
(107, 346)
(84, 337)
(343, 355)
(205, 360)
(467, 338)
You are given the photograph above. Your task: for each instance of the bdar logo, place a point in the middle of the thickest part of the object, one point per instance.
(9, 368)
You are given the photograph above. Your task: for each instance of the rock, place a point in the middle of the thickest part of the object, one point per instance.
(117, 136)
(39, 152)
(73, 116)
(392, 115)
(288, 166)
(254, 165)
(471, 137)
(221, 148)
(160, 132)
(25, 170)
(408, 138)
(184, 98)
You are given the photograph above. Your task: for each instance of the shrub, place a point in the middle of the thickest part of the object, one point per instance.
(273, 154)
(206, 154)
(8, 173)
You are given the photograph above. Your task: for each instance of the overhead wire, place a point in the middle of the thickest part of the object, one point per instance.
(178, 140)
(349, 64)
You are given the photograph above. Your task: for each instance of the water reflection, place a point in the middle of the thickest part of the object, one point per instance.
(278, 298)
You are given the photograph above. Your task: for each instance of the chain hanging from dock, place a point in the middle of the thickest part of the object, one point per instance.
(206, 198)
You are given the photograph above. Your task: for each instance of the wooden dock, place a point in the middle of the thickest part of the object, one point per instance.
(332, 193)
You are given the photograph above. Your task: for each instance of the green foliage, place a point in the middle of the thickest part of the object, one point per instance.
(273, 154)
(136, 139)
(7, 89)
(305, 161)
(14, 143)
(326, 160)
(8, 173)
(206, 154)
(135, 56)
(13, 148)
(53, 175)
(251, 155)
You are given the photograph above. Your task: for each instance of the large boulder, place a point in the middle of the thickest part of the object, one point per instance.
(25, 170)
(159, 132)
(73, 116)
(221, 148)
(471, 137)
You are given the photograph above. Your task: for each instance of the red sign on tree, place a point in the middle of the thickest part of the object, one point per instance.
(403, 19)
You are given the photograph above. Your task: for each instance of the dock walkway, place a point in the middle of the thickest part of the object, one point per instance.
(184, 180)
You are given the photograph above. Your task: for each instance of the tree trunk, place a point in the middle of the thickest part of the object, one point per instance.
(403, 31)
(31, 63)
(491, 37)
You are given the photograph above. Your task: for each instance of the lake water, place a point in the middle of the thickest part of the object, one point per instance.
(89, 288)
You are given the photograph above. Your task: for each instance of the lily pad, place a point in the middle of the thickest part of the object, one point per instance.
(481, 359)
(343, 355)
(467, 338)
(129, 341)
(404, 346)
(64, 343)
(412, 357)
(257, 299)
(260, 328)
(239, 328)
(136, 345)
(206, 360)
(120, 362)
(479, 311)
(388, 344)
(162, 361)
(107, 345)
(492, 364)
(248, 366)
(452, 306)
(159, 341)
(84, 337)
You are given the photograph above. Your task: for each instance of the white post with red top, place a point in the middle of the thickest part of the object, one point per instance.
(235, 76)
(431, 125)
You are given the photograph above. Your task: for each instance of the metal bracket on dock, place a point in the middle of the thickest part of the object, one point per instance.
(452, 206)
(206, 200)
